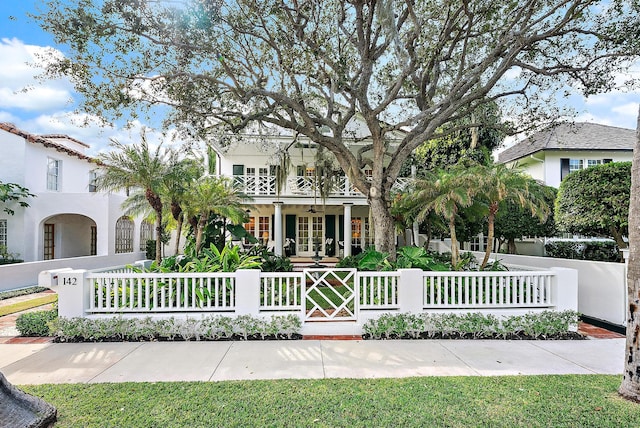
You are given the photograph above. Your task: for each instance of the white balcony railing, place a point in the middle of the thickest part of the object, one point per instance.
(254, 185)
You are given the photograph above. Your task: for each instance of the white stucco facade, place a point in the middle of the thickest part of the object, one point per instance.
(65, 218)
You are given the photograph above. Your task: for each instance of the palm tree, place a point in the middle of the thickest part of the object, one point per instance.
(444, 193)
(214, 195)
(498, 184)
(137, 166)
(175, 190)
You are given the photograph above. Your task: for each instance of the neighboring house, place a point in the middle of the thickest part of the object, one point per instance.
(551, 154)
(66, 218)
(298, 220)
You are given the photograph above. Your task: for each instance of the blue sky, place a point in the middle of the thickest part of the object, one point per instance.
(48, 107)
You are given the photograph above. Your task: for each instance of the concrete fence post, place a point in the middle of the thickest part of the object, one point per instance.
(410, 290)
(73, 293)
(564, 289)
(248, 292)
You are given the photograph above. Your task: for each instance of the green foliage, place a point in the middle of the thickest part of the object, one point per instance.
(533, 325)
(21, 292)
(150, 249)
(36, 323)
(595, 201)
(418, 257)
(273, 263)
(229, 259)
(213, 327)
(583, 249)
(368, 260)
(12, 193)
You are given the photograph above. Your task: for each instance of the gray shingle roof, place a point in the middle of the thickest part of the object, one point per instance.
(572, 136)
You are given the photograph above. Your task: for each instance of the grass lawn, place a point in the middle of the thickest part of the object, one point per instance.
(522, 401)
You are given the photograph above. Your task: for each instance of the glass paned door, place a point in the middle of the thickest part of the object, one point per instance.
(49, 240)
(310, 233)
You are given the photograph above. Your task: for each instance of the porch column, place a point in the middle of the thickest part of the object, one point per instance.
(347, 229)
(277, 228)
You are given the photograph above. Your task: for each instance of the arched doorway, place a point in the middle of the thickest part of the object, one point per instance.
(68, 235)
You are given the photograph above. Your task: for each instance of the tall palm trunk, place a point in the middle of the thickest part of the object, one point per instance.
(491, 219)
(454, 241)
(202, 223)
(630, 387)
(156, 204)
(178, 233)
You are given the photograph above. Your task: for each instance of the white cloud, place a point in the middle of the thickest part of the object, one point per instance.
(19, 87)
(629, 109)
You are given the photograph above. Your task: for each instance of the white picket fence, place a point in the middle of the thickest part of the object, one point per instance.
(314, 294)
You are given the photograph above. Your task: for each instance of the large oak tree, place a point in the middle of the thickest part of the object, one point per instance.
(315, 67)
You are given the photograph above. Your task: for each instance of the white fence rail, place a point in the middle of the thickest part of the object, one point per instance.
(488, 289)
(281, 291)
(151, 292)
(330, 294)
(378, 290)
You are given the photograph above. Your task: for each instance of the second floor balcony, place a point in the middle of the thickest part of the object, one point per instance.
(265, 185)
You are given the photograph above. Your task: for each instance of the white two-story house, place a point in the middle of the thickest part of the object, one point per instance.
(67, 217)
(301, 217)
(551, 154)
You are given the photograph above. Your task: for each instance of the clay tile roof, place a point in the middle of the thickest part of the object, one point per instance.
(32, 138)
(572, 136)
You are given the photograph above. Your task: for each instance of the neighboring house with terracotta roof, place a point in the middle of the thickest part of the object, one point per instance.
(551, 154)
(67, 217)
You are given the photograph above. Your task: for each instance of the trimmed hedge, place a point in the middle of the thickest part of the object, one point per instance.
(36, 323)
(583, 249)
(541, 325)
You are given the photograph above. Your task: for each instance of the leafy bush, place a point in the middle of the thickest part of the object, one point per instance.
(604, 250)
(150, 249)
(368, 260)
(206, 328)
(229, 259)
(418, 257)
(36, 323)
(541, 325)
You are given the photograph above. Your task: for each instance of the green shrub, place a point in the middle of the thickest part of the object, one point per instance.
(604, 250)
(150, 249)
(36, 323)
(206, 328)
(534, 325)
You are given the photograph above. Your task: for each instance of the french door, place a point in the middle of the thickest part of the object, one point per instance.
(310, 233)
(49, 241)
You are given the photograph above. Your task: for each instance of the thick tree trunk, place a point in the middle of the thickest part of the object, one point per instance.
(385, 236)
(630, 387)
(511, 246)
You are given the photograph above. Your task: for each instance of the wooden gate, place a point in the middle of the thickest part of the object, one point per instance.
(330, 294)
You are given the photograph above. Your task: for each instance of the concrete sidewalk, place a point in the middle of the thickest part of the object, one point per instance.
(304, 359)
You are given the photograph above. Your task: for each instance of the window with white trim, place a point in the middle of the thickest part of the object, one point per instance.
(575, 164)
(53, 174)
(593, 162)
(93, 175)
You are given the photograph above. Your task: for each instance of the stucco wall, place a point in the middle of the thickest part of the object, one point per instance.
(602, 291)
